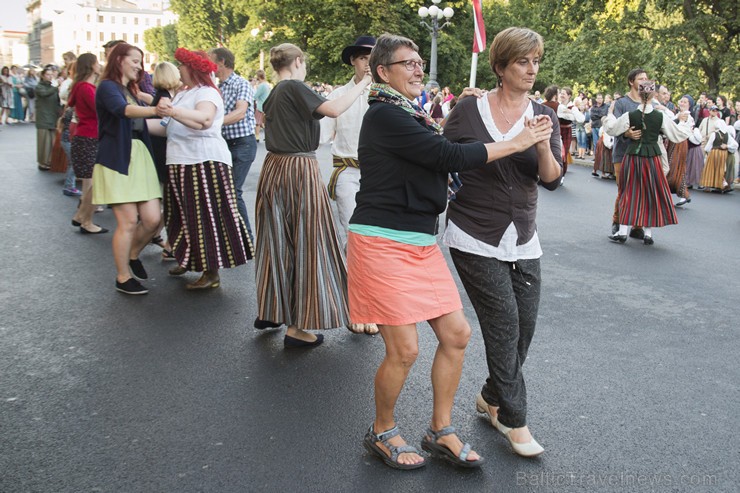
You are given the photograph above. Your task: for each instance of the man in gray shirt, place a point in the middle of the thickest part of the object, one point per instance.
(625, 104)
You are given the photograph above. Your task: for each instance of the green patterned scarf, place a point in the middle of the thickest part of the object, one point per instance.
(386, 94)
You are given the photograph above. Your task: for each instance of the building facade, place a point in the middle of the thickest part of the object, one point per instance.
(13, 48)
(81, 26)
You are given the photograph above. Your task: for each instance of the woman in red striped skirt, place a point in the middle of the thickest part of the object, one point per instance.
(204, 226)
(645, 197)
(301, 270)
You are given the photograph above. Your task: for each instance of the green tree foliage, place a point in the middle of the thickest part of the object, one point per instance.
(162, 40)
(590, 45)
(205, 24)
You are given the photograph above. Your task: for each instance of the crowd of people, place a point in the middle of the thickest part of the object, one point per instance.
(170, 151)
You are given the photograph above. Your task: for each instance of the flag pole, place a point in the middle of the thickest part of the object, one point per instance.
(473, 69)
(479, 38)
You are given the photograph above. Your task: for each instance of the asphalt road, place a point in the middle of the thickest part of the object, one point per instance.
(632, 375)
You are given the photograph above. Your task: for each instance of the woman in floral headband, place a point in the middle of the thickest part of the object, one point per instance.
(204, 226)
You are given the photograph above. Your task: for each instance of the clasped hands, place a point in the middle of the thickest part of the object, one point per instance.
(537, 130)
(164, 108)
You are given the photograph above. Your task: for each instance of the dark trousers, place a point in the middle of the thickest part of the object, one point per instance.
(506, 297)
(243, 151)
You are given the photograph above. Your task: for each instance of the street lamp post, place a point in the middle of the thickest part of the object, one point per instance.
(436, 15)
(265, 37)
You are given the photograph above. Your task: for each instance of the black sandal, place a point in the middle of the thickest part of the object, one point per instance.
(371, 439)
(167, 255)
(159, 241)
(429, 443)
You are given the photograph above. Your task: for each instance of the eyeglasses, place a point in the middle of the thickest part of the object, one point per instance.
(411, 64)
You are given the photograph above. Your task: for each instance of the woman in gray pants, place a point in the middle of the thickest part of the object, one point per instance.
(491, 228)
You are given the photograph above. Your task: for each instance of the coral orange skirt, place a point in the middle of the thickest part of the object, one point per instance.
(392, 283)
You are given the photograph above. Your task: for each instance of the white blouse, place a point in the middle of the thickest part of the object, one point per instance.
(675, 132)
(507, 249)
(186, 145)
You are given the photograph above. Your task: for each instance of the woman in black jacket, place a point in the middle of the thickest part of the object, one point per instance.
(397, 275)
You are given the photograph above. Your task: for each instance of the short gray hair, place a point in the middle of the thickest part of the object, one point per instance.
(385, 47)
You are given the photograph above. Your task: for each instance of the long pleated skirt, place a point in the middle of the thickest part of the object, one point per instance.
(677, 168)
(694, 164)
(300, 266)
(566, 133)
(603, 158)
(645, 198)
(204, 226)
(730, 169)
(713, 175)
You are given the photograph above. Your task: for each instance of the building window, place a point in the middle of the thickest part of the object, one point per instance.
(125, 37)
(112, 36)
(89, 36)
(102, 37)
(136, 38)
(148, 58)
(146, 21)
(100, 19)
(136, 21)
(159, 22)
(88, 17)
(113, 19)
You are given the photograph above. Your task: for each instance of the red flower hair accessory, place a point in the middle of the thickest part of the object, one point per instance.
(195, 61)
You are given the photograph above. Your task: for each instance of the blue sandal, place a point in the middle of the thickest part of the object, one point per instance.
(429, 443)
(371, 439)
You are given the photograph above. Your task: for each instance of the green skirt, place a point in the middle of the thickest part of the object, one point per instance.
(140, 185)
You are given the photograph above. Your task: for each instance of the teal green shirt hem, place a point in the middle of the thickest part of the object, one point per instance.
(407, 237)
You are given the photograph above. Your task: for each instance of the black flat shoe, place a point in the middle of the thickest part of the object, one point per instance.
(637, 234)
(292, 342)
(131, 286)
(648, 240)
(137, 269)
(76, 224)
(88, 232)
(617, 238)
(682, 202)
(265, 324)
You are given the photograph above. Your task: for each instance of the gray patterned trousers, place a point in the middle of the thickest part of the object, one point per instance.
(506, 297)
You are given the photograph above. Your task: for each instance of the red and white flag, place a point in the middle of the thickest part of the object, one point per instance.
(479, 39)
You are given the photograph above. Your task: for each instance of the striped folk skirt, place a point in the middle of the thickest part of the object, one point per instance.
(677, 168)
(301, 270)
(713, 175)
(603, 158)
(645, 197)
(566, 133)
(694, 164)
(204, 226)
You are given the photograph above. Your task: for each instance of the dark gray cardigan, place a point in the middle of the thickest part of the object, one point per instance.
(505, 191)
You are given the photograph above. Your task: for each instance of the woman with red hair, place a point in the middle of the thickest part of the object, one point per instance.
(124, 175)
(204, 226)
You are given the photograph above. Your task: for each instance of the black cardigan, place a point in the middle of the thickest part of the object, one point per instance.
(404, 166)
